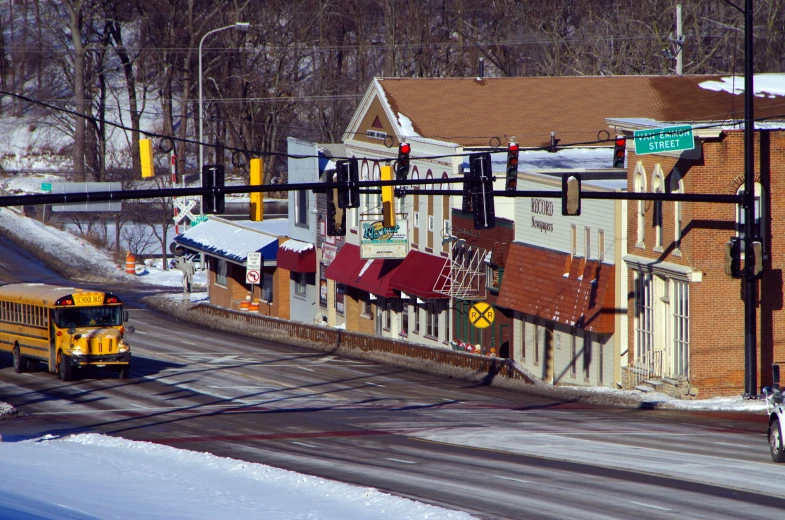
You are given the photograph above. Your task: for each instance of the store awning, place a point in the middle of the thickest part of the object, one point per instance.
(375, 275)
(297, 256)
(555, 287)
(346, 263)
(418, 273)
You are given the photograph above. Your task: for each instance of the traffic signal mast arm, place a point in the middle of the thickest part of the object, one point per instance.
(365, 186)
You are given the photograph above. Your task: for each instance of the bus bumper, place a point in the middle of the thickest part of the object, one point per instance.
(87, 360)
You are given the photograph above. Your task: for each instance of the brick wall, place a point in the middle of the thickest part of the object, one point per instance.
(716, 322)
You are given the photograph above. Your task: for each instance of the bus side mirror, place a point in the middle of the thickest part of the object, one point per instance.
(125, 316)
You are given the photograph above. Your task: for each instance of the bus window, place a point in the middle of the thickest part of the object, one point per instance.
(88, 317)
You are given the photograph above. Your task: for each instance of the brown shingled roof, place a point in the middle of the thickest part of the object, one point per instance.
(469, 111)
(534, 283)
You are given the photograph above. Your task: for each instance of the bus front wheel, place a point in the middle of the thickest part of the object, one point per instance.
(20, 363)
(124, 372)
(66, 370)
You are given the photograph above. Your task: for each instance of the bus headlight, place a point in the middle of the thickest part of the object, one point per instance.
(76, 350)
(123, 347)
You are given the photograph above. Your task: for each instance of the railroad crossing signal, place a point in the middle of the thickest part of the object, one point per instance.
(481, 315)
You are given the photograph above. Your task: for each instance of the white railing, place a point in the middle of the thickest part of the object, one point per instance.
(648, 366)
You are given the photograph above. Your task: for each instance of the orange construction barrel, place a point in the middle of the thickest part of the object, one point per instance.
(130, 263)
(254, 306)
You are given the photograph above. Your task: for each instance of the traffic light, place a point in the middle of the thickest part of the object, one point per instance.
(571, 194)
(481, 186)
(732, 262)
(388, 204)
(146, 157)
(619, 151)
(213, 176)
(257, 200)
(757, 259)
(402, 167)
(512, 167)
(348, 174)
(336, 216)
(466, 201)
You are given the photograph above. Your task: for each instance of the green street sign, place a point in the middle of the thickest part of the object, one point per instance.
(198, 219)
(46, 186)
(668, 139)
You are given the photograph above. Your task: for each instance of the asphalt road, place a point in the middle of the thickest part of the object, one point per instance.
(485, 450)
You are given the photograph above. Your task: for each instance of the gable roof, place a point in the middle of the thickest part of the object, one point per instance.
(470, 111)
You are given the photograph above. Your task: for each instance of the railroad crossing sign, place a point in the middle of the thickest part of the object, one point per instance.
(481, 315)
(185, 206)
(253, 267)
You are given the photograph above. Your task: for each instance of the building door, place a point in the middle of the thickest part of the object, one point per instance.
(549, 346)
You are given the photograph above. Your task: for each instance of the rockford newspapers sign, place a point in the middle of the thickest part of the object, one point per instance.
(377, 241)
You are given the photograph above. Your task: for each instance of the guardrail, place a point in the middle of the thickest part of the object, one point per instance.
(331, 338)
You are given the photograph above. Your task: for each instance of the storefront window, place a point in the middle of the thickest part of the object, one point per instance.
(220, 272)
(322, 286)
(267, 286)
(340, 293)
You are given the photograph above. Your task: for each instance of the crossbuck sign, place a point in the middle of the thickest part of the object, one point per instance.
(185, 206)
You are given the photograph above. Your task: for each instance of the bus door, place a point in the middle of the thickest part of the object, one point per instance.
(52, 341)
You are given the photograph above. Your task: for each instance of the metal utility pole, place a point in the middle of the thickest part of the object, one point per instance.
(680, 40)
(750, 299)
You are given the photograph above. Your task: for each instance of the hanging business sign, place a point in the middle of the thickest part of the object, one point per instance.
(377, 241)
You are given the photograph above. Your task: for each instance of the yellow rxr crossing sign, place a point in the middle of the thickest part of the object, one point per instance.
(481, 315)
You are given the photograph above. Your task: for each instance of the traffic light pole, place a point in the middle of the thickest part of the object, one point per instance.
(750, 296)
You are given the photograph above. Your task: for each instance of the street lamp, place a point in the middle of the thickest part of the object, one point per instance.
(242, 26)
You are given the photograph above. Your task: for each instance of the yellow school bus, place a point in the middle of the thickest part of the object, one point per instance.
(63, 328)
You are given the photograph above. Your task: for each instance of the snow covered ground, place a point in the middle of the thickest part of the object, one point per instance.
(89, 476)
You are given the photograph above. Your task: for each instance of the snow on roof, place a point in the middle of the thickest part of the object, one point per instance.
(765, 85)
(232, 240)
(296, 245)
(589, 158)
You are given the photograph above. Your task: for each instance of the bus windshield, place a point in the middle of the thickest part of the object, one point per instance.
(89, 317)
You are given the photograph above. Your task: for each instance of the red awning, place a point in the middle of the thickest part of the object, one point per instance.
(297, 256)
(345, 264)
(418, 273)
(535, 283)
(374, 276)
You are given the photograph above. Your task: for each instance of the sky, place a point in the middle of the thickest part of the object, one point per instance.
(164, 482)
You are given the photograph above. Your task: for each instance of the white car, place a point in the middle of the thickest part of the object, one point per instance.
(775, 407)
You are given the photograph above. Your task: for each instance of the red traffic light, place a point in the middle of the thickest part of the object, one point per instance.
(621, 141)
(513, 148)
(404, 148)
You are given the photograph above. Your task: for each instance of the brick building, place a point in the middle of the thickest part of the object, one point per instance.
(226, 244)
(686, 315)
